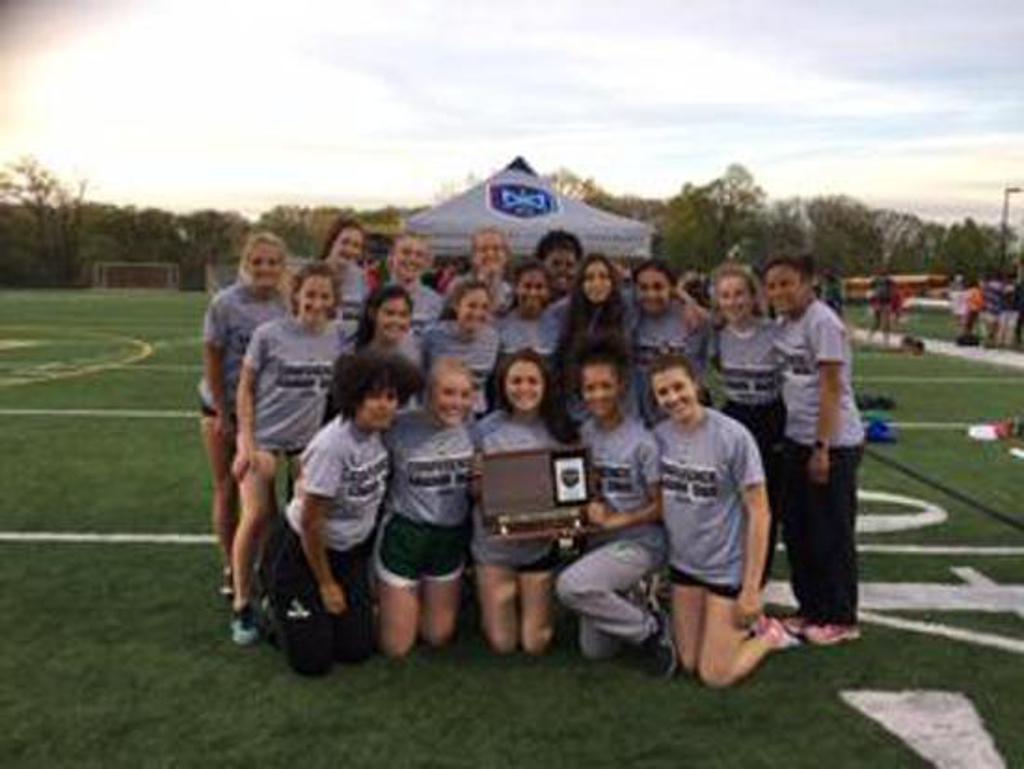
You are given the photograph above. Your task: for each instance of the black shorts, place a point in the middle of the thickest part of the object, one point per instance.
(686, 579)
(546, 562)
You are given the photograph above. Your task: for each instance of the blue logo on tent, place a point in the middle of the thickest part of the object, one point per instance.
(521, 201)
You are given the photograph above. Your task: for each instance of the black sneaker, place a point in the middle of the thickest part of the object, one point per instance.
(660, 649)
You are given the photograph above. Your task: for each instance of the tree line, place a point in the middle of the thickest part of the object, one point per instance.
(51, 235)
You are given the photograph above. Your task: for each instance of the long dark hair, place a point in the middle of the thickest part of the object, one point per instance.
(552, 413)
(367, 328)
(586, 321)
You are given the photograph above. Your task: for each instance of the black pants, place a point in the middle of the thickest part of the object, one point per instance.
(818, 528)
(312, 638)
(766, 423)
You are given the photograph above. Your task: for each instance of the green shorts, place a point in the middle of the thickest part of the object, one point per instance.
(409, 551)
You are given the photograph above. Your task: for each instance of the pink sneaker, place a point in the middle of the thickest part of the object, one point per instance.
(830, 635)
(775, 634)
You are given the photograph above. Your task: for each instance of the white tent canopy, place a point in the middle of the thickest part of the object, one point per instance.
(525, 207)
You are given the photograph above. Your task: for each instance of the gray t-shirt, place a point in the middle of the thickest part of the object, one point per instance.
(494, 434)
(704, 472)
(431, 470)
(293, 376)
(233, 315)
(427, 305)
(515, 334)
(479, 352)
(350, 468)
(354, 290)
(624, 461)
(655, 335)
(749, 363)
(815, 337)
(552, 321)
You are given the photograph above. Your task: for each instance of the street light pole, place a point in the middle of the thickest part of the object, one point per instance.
(1005, 228)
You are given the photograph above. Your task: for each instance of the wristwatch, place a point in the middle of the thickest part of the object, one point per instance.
(820, 444)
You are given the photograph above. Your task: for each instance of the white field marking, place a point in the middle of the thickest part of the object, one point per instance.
(921, 596)
(85, 537)
(59, 366)
(101, 413)
(17, 344)
(927, 514)
(1007, 358)
(944, 728)
(974, 577)
(982, 550)
(142, 350)
(989, 640)
(940, 379)
(951, 426)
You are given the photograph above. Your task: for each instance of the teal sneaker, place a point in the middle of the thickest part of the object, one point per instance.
(244, 630)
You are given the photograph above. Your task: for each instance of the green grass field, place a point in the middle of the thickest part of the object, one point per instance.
(119, 654)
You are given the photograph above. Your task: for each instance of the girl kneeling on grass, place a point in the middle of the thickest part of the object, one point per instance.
(715, 509)
(628, 544)
(422, 543)
(281, 399)
(514, 579)
(318, 567)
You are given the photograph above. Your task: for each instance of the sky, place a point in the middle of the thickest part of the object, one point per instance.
(913, 105)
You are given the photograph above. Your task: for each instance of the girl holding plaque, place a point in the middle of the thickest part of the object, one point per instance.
(628, 543)
(715, 511)
(422, 543)
(514, 578)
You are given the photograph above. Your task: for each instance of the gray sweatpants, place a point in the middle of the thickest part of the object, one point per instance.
(595, 587)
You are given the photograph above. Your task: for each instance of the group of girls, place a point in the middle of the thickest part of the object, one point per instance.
(371, 551)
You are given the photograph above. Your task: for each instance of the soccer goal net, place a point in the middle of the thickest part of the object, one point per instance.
(155, 275)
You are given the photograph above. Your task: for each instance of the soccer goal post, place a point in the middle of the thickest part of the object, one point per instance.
(155, 275)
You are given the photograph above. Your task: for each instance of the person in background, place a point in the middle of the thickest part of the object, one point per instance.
(258, 296)
(992, 289)
(1008, 313)
(882, 295)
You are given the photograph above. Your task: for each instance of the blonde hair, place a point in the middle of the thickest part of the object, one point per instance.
(443, 367)
(263, 238)
(744, 273)
(489, 230)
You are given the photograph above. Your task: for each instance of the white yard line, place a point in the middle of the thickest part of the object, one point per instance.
(101, 413)
(1016, 380)
(1008, 358)
(990, 640)
(944, 728)
(938, 550)
(118, 538)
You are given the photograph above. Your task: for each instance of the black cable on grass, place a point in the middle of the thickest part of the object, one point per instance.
(981, 507)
